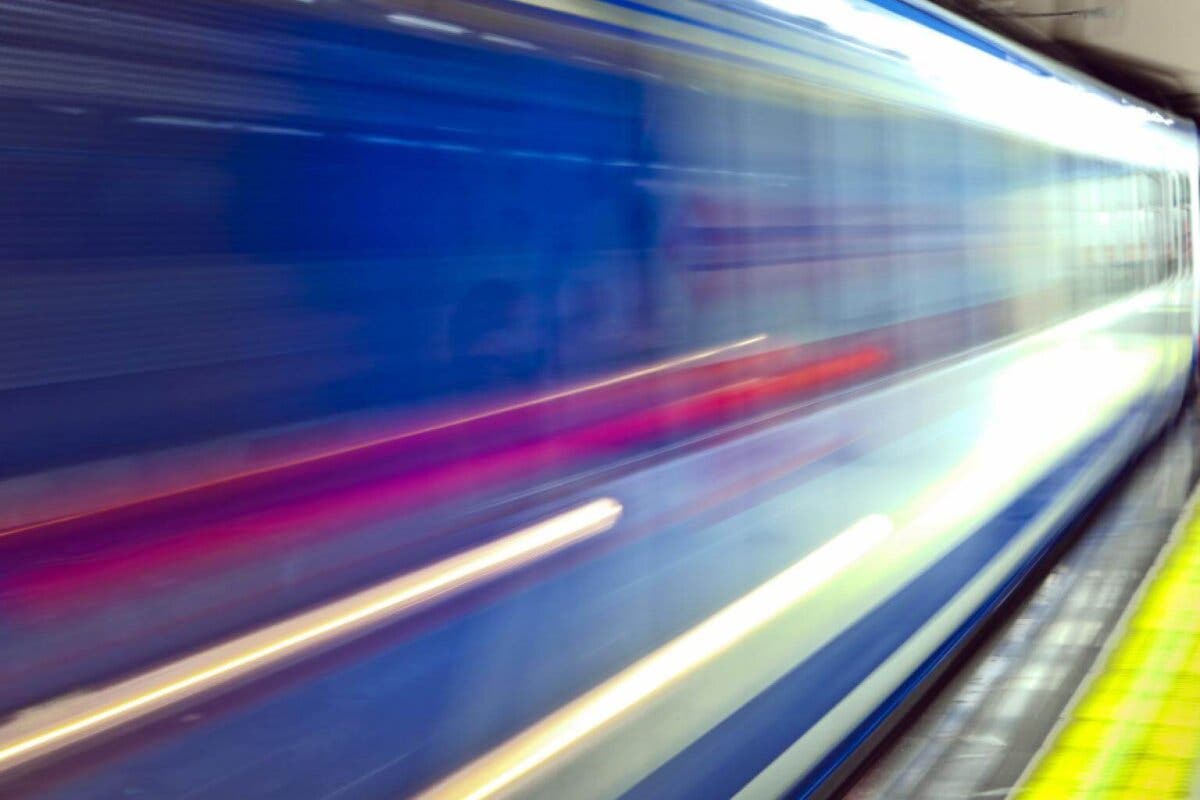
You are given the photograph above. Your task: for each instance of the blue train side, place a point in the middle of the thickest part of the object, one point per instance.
(850, 306)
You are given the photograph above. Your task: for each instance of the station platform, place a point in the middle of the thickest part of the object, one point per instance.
(1089, 685)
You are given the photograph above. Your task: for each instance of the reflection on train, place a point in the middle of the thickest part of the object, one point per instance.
(564, 399)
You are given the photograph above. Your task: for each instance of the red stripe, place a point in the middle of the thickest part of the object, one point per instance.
(214, 545)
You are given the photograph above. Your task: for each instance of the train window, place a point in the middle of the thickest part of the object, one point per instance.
(1173, 222)
(1186, 226)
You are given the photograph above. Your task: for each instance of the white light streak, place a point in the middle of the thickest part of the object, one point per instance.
(424, 23)
(569, 729)
(42, 730)
(519, 44)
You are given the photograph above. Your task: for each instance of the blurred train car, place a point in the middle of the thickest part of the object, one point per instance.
(843, 311)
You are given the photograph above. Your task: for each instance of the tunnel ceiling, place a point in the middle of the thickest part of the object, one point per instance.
(1145, 47)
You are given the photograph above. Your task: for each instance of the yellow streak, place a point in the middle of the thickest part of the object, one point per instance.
(538, 748)
(269, 646)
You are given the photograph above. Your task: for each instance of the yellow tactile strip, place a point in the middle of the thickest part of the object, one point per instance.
(1136, 731)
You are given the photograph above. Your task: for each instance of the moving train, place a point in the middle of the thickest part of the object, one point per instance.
(555, 398)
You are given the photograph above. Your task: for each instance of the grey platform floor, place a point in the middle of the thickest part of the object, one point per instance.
(975, 738)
